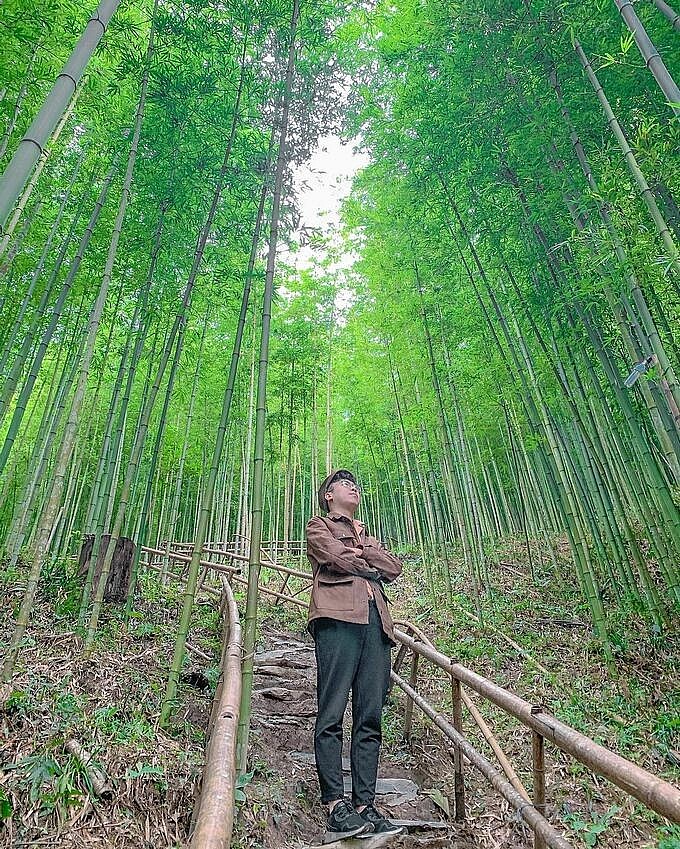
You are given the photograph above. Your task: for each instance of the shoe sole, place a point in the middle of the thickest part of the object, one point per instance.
(384, 836)
(365, 841)
(336, 836)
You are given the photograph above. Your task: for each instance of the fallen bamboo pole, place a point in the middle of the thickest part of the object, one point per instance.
(215, 820)
(199, 652)
(96, 776)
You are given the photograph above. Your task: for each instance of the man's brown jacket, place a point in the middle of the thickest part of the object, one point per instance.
(341, 577)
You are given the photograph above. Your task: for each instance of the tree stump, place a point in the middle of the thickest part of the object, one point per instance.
(118, 582)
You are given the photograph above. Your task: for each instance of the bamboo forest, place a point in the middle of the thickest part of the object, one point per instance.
(246, 243)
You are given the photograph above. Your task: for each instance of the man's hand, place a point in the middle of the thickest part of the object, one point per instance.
(379, 559)
(369, 571)
(332, 554)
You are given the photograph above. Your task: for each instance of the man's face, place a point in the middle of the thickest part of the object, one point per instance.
(343, 495)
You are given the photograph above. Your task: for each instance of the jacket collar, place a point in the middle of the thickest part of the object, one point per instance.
(338, 517)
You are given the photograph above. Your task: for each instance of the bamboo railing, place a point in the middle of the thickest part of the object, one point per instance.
(653, 792)
(215, 819)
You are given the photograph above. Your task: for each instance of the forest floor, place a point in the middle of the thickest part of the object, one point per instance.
(110, 705)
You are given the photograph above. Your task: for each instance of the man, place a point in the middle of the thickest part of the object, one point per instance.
(353, 635)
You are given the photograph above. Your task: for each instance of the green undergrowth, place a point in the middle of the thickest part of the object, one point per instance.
(109, 704)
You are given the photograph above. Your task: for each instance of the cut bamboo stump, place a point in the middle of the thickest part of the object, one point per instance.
(118, 581)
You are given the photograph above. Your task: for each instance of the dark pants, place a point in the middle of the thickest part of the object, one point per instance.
(357, 658)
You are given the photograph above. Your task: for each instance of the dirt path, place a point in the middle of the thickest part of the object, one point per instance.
(284, 709)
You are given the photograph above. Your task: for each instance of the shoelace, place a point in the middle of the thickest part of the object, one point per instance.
(343, 809)
(371, 813)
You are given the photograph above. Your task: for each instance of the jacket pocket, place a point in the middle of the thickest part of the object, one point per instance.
(335, 594)
(345, 537)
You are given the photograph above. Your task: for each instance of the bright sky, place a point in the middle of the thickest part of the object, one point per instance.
(321, 187)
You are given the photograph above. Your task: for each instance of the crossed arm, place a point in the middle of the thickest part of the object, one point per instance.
(368, 561)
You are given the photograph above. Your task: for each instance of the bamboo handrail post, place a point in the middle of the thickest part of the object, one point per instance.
(458, 777)
(284, 585)
(202, 577)
(538, 762)
(398, 663)
(408, 710)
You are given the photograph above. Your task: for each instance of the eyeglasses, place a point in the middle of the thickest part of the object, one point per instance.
(348, 484)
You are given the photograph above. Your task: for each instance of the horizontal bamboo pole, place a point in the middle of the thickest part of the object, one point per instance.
(272, 564)
(222, 552)
(215, 820)
(649, 789)
(280, 542)
(525, 809)
(296, 573)
(289, 598)
(242, 557)
(183, 558)
(208, 590)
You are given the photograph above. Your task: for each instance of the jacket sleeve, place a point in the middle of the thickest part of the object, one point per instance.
(380, 558)
(333, 555)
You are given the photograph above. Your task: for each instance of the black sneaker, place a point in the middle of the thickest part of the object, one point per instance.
(344, 821)
(380, 824)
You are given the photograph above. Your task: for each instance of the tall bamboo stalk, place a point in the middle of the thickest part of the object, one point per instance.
(11, 124)
(645, 191)
(31, 146)
(650, 54)
(176, 332)
(209, 488)
(668, 13)
(27, 388)
(250, 624)
(28, 191)
(12, 379)
(655, 341)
